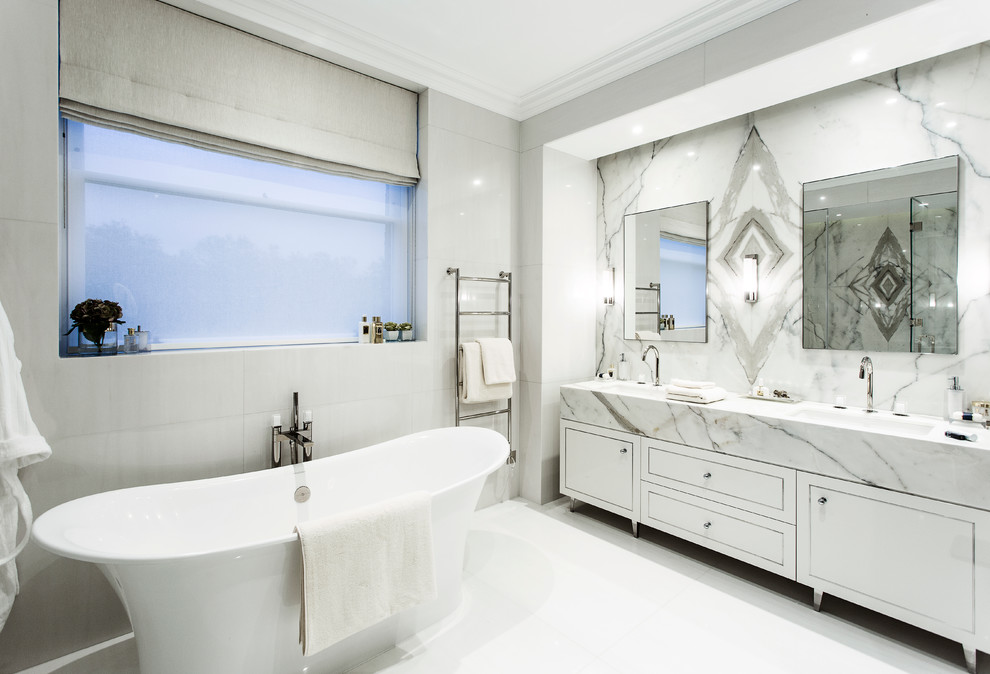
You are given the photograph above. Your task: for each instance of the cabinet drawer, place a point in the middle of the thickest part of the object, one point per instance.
(753, 486)
(907, 556)
(598, 465)
(761, 541)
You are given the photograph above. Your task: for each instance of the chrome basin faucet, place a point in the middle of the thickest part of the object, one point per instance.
(656, 377)
(866, 371)
(298, 437)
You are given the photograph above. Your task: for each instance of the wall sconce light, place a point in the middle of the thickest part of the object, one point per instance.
(608, 285)
(751, 280)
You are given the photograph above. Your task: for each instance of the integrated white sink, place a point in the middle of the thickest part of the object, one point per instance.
(881, 422)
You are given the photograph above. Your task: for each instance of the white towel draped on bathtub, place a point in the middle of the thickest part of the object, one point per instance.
(362, 566)
(20, 445)
(473, 386)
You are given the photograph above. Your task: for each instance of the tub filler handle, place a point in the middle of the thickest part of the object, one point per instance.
(300, 438)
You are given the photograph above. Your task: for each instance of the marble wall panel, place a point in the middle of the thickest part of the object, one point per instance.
(751, 169)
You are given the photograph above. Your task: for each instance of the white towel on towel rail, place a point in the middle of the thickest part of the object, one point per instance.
(20, 445)
(473, 386)
(362, 566)
(497, 363)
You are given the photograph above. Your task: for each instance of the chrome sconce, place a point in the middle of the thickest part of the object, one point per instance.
(751, 280)
(608, 285)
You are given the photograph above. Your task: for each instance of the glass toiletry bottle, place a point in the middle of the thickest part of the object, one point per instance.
(623, 367)
(142, 340)
(364, 331)
(953, 398)
(377, 330)
(130, 341)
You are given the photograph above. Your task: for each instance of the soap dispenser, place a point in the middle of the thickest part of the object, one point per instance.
(953, 398)
(623, 367)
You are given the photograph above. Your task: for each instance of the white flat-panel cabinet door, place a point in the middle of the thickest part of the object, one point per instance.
(909, 557)
(600, 466)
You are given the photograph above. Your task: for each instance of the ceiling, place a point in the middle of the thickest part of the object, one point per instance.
(515, 57)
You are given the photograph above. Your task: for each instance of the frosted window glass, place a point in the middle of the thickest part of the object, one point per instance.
(204, 249)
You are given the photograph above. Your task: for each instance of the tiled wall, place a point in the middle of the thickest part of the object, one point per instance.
(751, 169)
(130, 420)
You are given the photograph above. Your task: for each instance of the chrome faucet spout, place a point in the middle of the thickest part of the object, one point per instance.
(866, 372)
(656, 351)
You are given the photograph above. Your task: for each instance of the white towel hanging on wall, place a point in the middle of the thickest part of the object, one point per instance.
(20, 445)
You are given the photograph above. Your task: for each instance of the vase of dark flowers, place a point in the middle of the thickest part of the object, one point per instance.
(95, 323)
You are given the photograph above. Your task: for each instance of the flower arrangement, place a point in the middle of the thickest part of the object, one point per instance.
(93, 318)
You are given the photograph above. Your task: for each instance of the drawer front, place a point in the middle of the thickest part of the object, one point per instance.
(753, 486)
(763, 542)
(901, 557)
(599, 466)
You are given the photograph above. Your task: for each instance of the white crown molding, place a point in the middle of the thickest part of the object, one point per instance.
(690, 31)
(323, 36)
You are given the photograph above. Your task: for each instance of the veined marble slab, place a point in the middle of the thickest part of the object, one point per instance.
(929, 465)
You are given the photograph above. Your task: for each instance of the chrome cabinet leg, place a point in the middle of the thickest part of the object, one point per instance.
(818, 599)
(970, 654)
(572, 504)
(635, 527)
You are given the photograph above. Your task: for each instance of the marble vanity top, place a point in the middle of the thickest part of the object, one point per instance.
(909, 454)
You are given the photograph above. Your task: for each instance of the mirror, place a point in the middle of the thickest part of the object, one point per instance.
(666, 274)
(881, 259)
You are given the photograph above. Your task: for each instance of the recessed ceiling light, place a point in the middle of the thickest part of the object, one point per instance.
(476, 182)
(821, 198)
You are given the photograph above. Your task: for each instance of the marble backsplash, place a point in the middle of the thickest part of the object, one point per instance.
(751, 170)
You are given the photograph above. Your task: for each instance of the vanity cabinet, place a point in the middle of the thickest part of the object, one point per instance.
(741, 508)
(919, 560)
(601, 467)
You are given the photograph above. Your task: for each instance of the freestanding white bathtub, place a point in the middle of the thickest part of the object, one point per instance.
(209, 571)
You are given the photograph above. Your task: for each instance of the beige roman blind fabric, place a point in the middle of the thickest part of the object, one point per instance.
(145, 66)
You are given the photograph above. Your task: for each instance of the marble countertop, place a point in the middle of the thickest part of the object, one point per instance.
(909, 454)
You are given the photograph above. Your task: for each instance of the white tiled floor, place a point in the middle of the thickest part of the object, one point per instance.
(550, 591)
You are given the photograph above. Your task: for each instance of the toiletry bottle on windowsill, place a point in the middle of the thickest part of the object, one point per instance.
(143, 340)
(364, 331)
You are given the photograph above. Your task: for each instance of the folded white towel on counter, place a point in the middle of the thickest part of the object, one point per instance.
(20, 445)
(473, 386)
(362, 566)
(497, 363)
(695, 395)
(646, 335)
(690, 383)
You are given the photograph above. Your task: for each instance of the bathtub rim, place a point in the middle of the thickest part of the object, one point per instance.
(52, 527)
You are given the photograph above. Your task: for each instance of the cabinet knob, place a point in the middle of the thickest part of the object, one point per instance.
(706, 475)
(708, 525)
(623, 450)
(823, 500)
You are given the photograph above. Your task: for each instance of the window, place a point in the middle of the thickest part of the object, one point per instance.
(207, 249)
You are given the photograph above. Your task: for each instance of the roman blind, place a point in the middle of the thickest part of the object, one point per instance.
(148, 67)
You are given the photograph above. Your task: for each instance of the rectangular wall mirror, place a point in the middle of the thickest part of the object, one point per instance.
(666, 274)
(881, 259)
